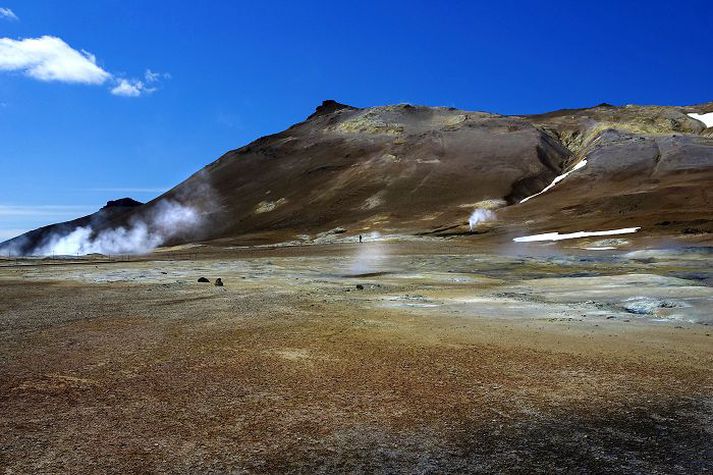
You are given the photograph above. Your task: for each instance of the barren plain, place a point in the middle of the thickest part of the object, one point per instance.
(416, 357)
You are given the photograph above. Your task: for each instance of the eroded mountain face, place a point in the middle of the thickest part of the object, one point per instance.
(423, 170)
(644, 166)
(398, 168)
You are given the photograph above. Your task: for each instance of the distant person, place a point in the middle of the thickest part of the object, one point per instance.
(360, 239)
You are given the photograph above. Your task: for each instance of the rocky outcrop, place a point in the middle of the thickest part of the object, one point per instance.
(327, 107)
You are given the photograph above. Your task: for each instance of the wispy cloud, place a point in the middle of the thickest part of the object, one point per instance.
(75, 211)
(6, 234)
(8, 14)
(137, 87)
(49, 58)
(128, 190)
(130, 88)
(153, 76)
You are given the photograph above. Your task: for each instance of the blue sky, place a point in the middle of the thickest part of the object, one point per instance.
(223, 73)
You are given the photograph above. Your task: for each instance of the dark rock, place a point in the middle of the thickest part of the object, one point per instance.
(218, 282)
(203, 279)
(328, 107)
(123, 203)
(360, 287)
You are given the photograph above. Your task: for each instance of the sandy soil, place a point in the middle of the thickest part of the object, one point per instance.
(446, 359)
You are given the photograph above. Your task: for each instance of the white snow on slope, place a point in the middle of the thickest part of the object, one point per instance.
(579, 165)
(577, 235)
(705, 118)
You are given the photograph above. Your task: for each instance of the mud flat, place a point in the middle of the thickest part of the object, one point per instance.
(381, 357)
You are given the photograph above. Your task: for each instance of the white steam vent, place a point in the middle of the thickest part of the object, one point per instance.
(145, 230)
(483, 212)
(140, 236)
(480, 215)
(371, 256)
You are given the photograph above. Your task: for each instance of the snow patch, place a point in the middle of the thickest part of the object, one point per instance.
(707, 118)
(579, 234)
(579, 165)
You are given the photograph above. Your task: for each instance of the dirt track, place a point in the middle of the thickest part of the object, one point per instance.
(443, 362)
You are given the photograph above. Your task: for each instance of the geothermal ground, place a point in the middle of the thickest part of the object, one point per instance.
(381, 357)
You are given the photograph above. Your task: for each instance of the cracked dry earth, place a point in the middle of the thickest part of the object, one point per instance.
(446, 361)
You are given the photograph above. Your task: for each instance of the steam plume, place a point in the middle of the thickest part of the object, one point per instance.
(480, 215)
(166, 220)
(180, 217)
(370, 256)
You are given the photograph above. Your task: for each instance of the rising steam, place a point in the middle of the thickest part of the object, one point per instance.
(370, 257)
(480, 215)
(166, 220)
(484, 211)
(149, 227)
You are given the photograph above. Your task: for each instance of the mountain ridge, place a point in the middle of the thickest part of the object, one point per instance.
(412, 170)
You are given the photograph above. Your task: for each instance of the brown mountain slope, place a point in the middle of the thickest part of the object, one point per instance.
(645, 166)
(415, 170)
(390, 168)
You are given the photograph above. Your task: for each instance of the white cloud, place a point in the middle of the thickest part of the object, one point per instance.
(48, 58)
(7, 13)
(127, 88)
(131, 88)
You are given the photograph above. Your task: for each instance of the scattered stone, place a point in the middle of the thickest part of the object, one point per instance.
(203, 279)
(360, 287)
(218, 282)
